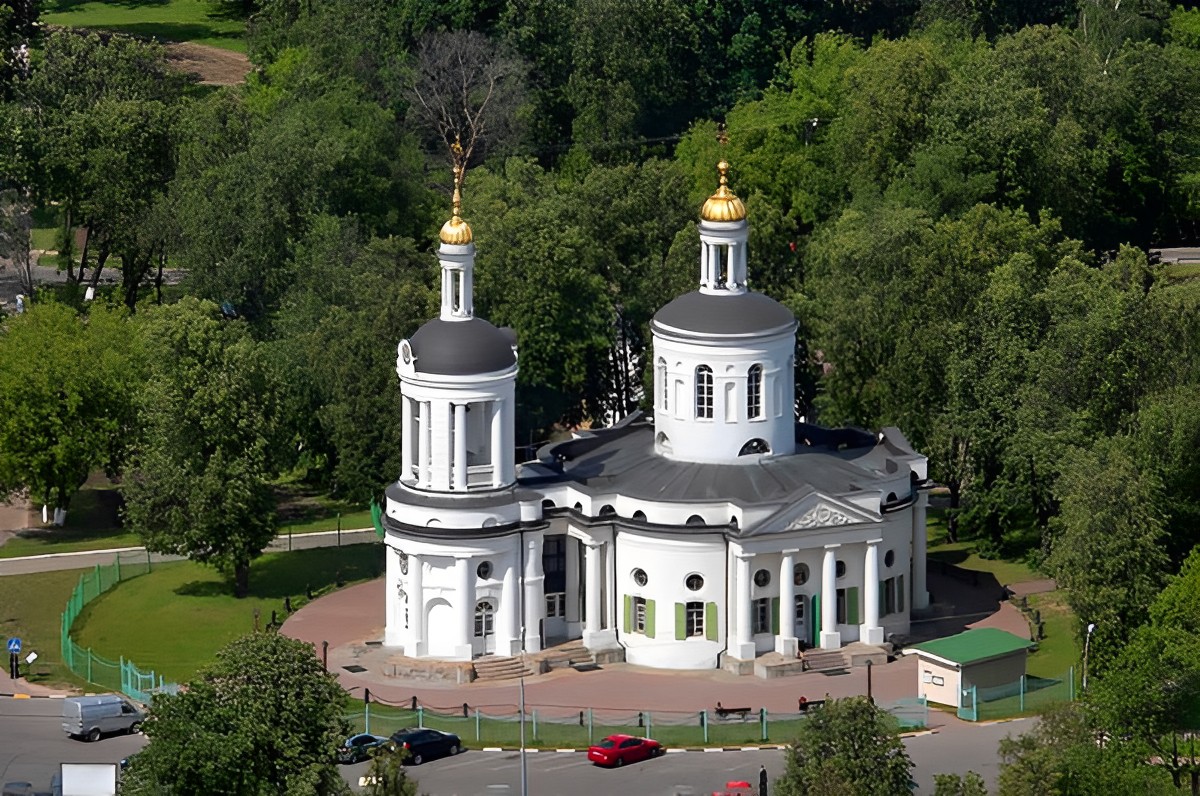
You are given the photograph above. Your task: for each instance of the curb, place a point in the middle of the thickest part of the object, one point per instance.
(34, 696)
(672, 751)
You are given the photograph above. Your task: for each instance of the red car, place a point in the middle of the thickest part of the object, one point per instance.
(617, 750)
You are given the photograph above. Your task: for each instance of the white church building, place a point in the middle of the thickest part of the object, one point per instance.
(707, 534)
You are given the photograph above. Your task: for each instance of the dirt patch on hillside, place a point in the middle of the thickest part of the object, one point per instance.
(212, 65)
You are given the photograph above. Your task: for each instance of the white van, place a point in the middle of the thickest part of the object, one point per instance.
(91, 716)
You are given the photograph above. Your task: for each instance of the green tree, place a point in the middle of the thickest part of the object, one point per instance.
(387, 775)
(103, 110)
(850, 742)
(1149, 700)
(198, 484)
(1106, 551)
(265, 718)
(337, 329)
(970, 784)
(66, 392)
(1062, 756)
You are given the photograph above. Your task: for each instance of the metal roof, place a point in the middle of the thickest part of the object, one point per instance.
(973, 646)
(733, 315)
(462, 348)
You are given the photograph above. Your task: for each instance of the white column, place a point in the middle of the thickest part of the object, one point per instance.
(610, 589)
(423, 434)
(406, 440)
(416, 609)
(464, 588)
(392, 629)
(508, 641)
(535, 594)
(446, 456)
(831, 638)
(497, 435)
(460, 446)
(870, 631)
(743, 648)
(574, 608)
(593, 623)
(920, 589)
(508, 468)
(785, 642)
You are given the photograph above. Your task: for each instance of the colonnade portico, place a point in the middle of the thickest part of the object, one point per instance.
(595, 633)
(743, 647)
(440, 427)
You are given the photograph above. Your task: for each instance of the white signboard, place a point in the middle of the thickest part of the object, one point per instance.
(89, 779)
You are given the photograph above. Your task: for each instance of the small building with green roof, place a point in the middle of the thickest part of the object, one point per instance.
(984, 657)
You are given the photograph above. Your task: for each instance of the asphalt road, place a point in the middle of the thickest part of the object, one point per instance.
(32, 745)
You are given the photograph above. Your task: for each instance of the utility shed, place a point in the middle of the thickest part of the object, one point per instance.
(985, 657)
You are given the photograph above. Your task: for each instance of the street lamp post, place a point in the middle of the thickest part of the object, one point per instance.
(1087, 641)
(524, 774)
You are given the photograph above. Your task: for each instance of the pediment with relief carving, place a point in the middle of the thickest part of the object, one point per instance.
(821, 515)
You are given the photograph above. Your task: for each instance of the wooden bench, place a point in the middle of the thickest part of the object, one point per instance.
(724, 712)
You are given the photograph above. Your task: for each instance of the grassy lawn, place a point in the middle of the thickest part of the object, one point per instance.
(31, 609)
(174, 619)
(562, 732)
(1182, 270)
(199, 21)
(351, 521)
(963, 556)
(93, 523)
(1060, 648)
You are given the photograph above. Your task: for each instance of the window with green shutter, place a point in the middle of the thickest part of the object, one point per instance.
(900, 594)
(775, 615)
(885, 588)
(710, 621)
(680, 617)
(649, 618)
(628, 612)
(852, 605)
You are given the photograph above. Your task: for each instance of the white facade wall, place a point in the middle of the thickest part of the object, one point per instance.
(681, 435)
(667, 561)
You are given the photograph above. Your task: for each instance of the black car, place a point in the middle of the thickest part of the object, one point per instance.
(358, 747)
(422, 745)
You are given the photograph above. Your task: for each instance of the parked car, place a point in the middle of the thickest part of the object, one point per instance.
(617, 750)
(422, 745)
(359, 747)
(91, 716)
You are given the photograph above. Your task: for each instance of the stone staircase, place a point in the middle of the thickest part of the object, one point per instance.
(819, 660)
(572, 654)
(493, 667)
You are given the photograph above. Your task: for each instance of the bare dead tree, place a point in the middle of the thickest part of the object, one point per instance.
(466, 88)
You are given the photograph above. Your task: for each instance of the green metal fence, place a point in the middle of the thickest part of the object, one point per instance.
(1029, 694)
(120, 675)
(573, 727)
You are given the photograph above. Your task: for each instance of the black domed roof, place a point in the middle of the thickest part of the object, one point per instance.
(462, 348)
(734, 315)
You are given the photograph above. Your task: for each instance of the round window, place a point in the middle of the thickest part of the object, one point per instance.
(694, 582)
(889, 558)
(762, 578)
(841, 569)
(639, 577)
(800, 574)
(484, 570)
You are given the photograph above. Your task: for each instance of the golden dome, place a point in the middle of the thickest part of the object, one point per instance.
(724, 204)
(456, 231)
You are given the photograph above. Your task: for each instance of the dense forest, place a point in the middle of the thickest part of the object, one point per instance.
(961, 201)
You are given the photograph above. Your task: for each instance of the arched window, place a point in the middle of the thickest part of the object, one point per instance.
(754, 446)
(485, 618)
(664, 388)
(704, 392)
(754, 391)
